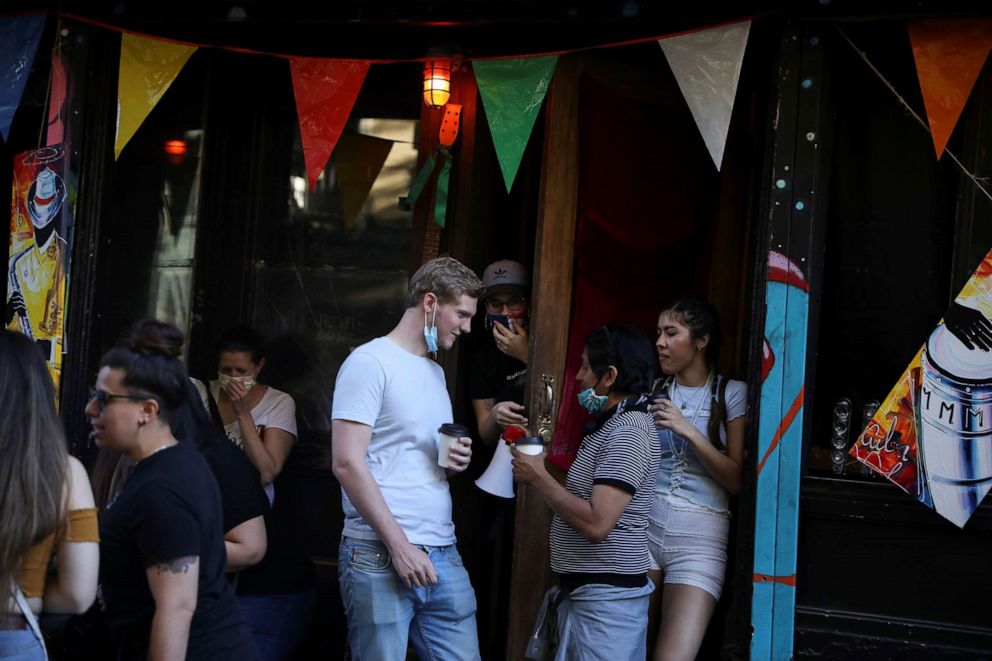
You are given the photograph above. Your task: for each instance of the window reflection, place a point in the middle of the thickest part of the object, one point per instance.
(150, 233)
(172, 261)
(338, 275)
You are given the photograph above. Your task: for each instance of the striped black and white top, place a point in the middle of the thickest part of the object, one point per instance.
(621, 452)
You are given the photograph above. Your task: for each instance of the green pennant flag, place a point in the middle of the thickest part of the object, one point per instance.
(512, 93)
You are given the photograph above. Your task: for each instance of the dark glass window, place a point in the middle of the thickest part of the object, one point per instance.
(891, 238)
(329, 269)
(150, 238)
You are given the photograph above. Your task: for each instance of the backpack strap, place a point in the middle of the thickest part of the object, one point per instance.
(721, 399)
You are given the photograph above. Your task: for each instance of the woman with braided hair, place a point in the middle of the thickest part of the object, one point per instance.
(699, 415)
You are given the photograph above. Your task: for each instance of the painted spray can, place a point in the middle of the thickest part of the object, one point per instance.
(956, 424)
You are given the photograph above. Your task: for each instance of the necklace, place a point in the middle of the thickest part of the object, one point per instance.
(164, 446)
(123, 471)
(697, 404)
(701, 392)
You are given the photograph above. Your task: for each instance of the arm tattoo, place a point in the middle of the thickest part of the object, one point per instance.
(177, 566)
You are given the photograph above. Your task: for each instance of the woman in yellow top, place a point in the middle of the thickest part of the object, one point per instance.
(45, 505)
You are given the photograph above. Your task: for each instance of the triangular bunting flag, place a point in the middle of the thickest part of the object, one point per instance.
(949, 56)
(359, 159)
(19, 37)
(512, 93)
(325, 92)
(707, 66)
(148, 67)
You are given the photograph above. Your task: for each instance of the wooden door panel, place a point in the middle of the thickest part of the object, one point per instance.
(552, 294)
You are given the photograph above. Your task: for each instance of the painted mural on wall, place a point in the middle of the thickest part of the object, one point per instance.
(932, 435)
(780, 426)
(39, 253)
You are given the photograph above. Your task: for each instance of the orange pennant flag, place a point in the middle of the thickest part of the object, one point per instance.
(325, 92)
(949, 56)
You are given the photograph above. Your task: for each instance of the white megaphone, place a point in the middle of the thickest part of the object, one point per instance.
(498, 478)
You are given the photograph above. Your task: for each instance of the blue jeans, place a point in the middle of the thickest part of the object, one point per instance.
(278, 622)
(603, 622)
(20, 645)
(384, 616)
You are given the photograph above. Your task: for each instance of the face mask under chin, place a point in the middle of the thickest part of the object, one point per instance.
(430, 334)
(590, 401)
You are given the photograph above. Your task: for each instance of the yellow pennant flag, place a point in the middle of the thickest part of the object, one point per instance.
(359, 160)
(148, 67)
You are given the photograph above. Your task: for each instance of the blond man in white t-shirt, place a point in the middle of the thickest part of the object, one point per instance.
(402, 580)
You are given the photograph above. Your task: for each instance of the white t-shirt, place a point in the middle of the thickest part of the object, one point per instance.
(276, 409)
(403, 398)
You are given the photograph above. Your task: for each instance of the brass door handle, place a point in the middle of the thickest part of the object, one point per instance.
(544, 417)
(545, 428)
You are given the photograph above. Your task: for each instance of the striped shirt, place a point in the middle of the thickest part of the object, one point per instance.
(620, 453)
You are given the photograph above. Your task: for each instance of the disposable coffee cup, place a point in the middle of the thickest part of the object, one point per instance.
(530, 445)
(450, 433)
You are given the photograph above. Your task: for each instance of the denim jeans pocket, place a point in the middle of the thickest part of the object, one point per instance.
(370, 559)
(453, 557)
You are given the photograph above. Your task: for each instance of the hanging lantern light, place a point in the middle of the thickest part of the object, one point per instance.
(437, 78)
(175, 151)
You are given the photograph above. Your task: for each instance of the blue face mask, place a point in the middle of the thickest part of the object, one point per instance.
(430, 334)
(590, 401)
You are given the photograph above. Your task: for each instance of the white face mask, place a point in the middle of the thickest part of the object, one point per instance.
(247, 381)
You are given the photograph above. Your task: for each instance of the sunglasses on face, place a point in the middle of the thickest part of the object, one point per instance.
(495, 305)
(102, 398)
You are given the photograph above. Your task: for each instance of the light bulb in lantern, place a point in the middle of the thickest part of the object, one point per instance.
(437, 81)
(175, 151)
(175, 147)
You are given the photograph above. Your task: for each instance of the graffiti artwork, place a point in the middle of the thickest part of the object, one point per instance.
(36, 274)
(780, 421)
(932, 435)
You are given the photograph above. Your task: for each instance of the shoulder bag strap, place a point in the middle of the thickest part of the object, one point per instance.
(22, 603)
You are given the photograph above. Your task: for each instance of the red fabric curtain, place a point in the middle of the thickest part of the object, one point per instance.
(647, 192)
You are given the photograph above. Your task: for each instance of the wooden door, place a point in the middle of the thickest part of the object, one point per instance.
(552, 292)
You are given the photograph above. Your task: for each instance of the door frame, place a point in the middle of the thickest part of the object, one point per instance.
(553, 279)
(794, 208)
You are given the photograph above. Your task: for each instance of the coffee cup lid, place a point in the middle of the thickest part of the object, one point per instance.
(530, 440)
(452, 429)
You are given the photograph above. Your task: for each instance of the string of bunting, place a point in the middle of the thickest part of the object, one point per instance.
(939, 142)
(318, 129)
(706, 63)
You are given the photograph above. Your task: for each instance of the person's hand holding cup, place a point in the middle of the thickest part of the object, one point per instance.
(528, 460)
(455, 447)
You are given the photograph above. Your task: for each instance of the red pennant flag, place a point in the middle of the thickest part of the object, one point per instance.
(325, 92)
(949, 56)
